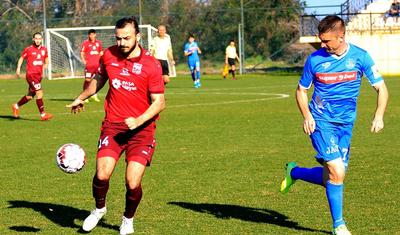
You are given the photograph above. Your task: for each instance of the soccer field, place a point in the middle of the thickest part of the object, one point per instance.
(219, 160)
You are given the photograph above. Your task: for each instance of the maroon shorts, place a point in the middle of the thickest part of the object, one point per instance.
(34, 81)
(90, 71)
(138, 145)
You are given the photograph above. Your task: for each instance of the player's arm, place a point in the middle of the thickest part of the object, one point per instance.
(46, 63)
(156, 107)
(198, 50)
(170, 55)
(95, 85)
(19, 64)
(82, 54)
(302, 103)
(382, 99)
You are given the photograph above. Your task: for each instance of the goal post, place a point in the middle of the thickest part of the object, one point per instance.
(64, 44)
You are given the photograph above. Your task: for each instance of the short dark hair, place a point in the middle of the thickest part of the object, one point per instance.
(36, 33)
(91, 31)
(231, 40)
(331, 22)
(190, 35)
(127, 20)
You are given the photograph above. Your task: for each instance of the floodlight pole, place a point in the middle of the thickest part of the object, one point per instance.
(240, 48)
(242, 56)
(46, 38)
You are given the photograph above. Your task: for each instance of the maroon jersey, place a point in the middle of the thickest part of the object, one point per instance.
(35, 58)
(92, 52)
(131, 81)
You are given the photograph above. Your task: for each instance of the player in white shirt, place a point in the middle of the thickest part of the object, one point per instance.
(230, 57)
(161, 49)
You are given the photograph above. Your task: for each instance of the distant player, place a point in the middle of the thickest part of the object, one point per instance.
(192, 51)
(162, 51)
(230, 58)
(91, 51)
(134, 100)
(335, 70)
(36, 61)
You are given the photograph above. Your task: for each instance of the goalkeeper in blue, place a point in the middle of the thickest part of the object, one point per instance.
(335, 70)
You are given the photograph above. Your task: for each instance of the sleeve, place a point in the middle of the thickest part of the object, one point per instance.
(156, 82)
(24, 53)
(307, 77)
(83, 46)
(371, 70)
(185, 48)
(102, 68)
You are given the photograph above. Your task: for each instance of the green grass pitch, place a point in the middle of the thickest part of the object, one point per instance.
(217, 168)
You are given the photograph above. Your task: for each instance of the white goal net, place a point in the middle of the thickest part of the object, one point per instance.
(64, 46)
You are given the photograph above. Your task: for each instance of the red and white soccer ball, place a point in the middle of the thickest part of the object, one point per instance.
(70, 158)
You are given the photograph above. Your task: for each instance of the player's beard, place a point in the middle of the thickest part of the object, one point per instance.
(126, 54)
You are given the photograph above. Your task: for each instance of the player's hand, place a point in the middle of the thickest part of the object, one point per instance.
(309, 126)
(132, 123)
(377, 125)
(18, 72)
(173, 62)
(76, 106)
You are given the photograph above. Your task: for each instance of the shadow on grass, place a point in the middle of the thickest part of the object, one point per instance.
(12, 118)
(27, 229)
(61, 215)
(250, 214)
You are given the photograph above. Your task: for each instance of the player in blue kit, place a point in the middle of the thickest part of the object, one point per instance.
(192, 51)
(335, 70)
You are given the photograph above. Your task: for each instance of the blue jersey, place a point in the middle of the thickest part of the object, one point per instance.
(192, 47)
(337, 81)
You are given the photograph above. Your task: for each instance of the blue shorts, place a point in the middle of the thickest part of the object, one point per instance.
(332, 141)
(194, 64)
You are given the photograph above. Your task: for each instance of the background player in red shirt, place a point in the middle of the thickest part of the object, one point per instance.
(133, 102)
(91, 52)
(36, 61)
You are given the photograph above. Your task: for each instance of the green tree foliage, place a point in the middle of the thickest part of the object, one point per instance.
(270, 25)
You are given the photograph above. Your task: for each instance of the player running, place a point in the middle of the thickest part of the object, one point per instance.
(335, 70)
(133, 102)
(91, 52)
(36, 61)
(192, 51)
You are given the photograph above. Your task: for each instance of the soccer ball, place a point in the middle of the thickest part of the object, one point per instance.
(70, 158)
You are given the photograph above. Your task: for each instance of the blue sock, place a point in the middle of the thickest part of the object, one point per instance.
(334, 193)
(198, 75)
(311, 175)
(193, 75)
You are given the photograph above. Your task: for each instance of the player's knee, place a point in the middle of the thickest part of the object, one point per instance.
(29, 97)
(102, 175)
(132, 184)
(337, 175)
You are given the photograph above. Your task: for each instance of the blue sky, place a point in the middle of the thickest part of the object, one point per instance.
(323, 3)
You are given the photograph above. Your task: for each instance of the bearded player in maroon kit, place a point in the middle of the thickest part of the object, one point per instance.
(134, 100)
(91, 52)
(36, 61)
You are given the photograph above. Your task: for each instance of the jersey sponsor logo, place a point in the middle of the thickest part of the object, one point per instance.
(127, 85)
(37, 62)
(124, 72)
(350, 63)
(137, 68)
(93, 52)
(326, 65)
(331, 78)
